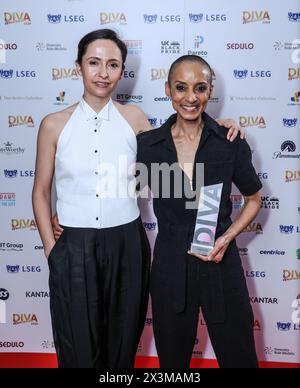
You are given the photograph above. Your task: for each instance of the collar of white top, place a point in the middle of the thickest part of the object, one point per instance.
(89, 113)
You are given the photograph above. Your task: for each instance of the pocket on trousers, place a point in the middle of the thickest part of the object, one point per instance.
(55, 247)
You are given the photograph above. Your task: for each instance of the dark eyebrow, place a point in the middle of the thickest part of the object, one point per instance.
(199, 83)
(99, 59)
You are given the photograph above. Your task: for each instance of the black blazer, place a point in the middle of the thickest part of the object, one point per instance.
(224, 161)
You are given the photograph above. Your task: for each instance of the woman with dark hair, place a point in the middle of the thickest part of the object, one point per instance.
(182, 282)
(99, 266)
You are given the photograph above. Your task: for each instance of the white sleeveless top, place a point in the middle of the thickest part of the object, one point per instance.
(95, 169)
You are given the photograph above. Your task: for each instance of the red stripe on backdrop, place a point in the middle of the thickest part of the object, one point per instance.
(42, 360)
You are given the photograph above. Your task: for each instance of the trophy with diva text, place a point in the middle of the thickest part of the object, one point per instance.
(207, 218)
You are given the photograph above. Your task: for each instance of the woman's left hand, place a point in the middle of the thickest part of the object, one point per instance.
(217, 254)
(233, 127)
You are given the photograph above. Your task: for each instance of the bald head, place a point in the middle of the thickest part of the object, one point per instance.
(190, 58)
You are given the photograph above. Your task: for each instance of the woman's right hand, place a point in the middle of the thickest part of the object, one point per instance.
(57, 229)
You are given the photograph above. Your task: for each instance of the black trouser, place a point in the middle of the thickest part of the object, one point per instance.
(175, 332)
(98, 295)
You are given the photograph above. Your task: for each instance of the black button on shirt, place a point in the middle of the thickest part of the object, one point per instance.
(224, 162)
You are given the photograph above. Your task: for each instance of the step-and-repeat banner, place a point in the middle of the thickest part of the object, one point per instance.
(254, 49)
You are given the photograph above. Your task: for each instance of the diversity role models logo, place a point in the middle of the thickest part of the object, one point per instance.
(295, 100)
(60, 99)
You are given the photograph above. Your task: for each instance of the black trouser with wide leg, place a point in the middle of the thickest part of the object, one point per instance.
(99, 294)
(182, 284)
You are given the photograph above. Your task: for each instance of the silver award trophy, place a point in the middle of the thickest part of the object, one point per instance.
(207, 218)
